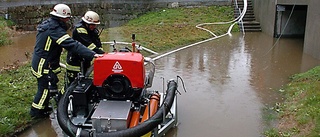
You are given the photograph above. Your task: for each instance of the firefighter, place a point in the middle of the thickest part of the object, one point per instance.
(52, 36)
(86, 33)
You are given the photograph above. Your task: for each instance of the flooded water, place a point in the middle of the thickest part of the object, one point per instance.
(230, 82)
(19, 51)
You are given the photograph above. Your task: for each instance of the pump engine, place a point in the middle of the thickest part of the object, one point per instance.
(119, 75)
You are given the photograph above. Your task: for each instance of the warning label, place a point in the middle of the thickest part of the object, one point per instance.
(117, 68)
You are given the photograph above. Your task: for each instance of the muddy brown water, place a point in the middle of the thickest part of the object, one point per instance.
(230, 82)
(19, 51)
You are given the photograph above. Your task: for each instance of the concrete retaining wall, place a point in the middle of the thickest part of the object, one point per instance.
(112, 13)
(265, 11)
(312, 35)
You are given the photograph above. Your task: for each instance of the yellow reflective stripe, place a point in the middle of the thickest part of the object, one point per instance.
(56, 70)
(48, 44)
(92, 46)
(37, 106)
(35, 73)
(45, 71)
(43, 98)
(39, 71)
(63, 38)
(101, 48)
(62, 91)
(147, 135)
(41, 62)
(73, 68)
(82, 30)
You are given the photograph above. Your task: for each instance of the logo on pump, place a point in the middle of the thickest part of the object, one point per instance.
(117, 67)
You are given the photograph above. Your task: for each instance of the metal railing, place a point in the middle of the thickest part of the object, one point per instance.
(240, 21)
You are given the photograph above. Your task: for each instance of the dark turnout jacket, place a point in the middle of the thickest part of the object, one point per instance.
(90, 39)
(50, 40)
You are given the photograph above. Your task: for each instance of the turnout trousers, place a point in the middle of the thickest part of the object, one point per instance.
(40, 104)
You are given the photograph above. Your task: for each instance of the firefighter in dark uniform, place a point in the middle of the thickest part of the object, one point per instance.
(86, 33)
(50, 40)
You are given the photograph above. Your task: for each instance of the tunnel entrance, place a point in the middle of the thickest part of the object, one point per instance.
(290, 21)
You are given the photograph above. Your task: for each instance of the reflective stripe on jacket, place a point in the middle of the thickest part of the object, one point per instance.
(50, 40)
(89, 38)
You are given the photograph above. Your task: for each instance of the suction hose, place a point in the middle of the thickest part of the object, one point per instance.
(70, 129)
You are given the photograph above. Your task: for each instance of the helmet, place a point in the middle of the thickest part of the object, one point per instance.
(61, 10)
(91, 17)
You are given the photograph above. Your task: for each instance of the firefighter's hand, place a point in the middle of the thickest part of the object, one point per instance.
(98, 55)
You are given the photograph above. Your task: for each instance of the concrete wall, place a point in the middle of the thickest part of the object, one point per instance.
(312, 35)
(265, 12)
(28, 13)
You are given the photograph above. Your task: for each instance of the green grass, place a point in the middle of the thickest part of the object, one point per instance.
(4, 33)
(17, 90)
(171, 28)
(300, 113)
(160, 31)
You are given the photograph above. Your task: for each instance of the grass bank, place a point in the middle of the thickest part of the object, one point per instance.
(159, 31)
(299, 114)
(171, 28)
(5, 32)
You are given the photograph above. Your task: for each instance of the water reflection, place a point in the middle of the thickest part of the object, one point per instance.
(45, 128)
(19, 51)
(220, 101)
(229, 82)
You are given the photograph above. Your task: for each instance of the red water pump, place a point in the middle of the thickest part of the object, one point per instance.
(119, 75)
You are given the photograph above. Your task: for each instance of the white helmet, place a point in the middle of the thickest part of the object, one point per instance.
(61, 10)
(91, 17)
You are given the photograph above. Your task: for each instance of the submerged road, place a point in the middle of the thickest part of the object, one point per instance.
(231, 82)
